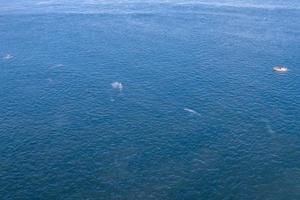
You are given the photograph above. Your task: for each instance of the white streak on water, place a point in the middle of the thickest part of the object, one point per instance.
(192, 111)
(57, 66)
(44, 3)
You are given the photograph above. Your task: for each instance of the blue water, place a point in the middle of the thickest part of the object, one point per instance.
(201, 114)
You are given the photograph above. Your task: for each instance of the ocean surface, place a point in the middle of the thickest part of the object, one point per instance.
(149, 100)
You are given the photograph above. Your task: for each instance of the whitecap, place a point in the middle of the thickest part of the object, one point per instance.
(117, 85)
(7, 57)
(112, 99)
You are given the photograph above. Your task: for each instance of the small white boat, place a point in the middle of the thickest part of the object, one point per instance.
(280, 69)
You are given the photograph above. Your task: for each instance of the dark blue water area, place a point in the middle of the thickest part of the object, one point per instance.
(201, 114)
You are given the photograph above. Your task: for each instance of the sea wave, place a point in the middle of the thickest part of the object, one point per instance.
(127, 6)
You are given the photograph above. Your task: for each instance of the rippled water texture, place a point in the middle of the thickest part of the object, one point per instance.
(142, 100)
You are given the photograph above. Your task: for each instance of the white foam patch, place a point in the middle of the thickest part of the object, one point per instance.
(7, 57)
(192, 111)
(117, 85)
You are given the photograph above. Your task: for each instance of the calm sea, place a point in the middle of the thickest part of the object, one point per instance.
(196, 113)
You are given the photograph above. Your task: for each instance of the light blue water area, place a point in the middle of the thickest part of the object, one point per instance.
(201, 114)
